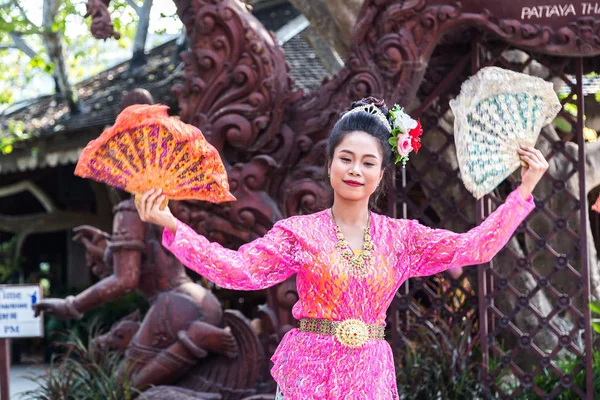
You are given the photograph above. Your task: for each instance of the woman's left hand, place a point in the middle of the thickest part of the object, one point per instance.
(535, 167)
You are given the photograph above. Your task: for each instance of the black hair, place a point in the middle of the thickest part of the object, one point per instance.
(371, 125)
(364, 122)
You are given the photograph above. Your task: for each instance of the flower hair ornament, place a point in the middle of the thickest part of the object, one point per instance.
(405, 134)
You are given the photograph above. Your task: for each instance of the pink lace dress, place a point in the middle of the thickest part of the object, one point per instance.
(311, 366)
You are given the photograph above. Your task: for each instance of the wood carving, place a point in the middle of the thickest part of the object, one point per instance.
(272, 137)
(184, 328)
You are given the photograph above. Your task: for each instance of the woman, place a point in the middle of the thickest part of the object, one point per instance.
(349, 263)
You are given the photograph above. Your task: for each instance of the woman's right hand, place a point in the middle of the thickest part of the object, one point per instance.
(149, 210)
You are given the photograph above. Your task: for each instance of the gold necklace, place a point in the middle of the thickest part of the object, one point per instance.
(357, 264)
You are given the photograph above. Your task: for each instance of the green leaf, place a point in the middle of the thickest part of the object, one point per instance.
(571, 109)
(124, 42)
(37, 62)
(595, 307)
(49, 68)
(563, 124)
(117, 24)
(6, 96)
(6, 149)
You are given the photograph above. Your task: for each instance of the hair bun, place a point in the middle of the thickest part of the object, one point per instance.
(375, 101)
(372, 100)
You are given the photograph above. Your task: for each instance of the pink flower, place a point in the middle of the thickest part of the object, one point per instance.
(404, 144)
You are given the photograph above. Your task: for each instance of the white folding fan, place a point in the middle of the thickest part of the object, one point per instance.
(496, 111)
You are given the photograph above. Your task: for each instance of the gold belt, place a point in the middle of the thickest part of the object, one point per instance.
(350, 332)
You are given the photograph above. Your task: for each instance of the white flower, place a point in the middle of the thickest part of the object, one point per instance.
(404, 122)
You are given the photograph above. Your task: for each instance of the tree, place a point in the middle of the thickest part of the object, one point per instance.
(15, 26)
(52, 34)
(143, 11)
(57, 44)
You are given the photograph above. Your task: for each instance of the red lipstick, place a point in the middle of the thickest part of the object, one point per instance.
(353, 183)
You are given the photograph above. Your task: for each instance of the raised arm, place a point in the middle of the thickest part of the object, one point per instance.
(126, 246)
(436, 250)
(256, 265)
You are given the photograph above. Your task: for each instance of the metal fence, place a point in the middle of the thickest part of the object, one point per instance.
(531, 301)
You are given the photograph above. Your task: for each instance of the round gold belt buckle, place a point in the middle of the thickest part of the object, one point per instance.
(352, 333)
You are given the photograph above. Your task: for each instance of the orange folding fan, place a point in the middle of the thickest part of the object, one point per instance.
(147, 149)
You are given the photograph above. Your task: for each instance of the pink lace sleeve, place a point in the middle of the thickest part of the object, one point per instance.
(436, 250)
(257, 265)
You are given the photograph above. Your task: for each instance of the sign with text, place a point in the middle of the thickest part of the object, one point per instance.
(16, 311)
(547, 12)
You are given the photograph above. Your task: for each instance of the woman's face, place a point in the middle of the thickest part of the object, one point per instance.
(355, 170)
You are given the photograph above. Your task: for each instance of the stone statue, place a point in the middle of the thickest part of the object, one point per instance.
(184, 324)
(217, 377)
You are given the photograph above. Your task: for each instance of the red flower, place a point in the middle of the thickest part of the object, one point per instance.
(415, 135)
